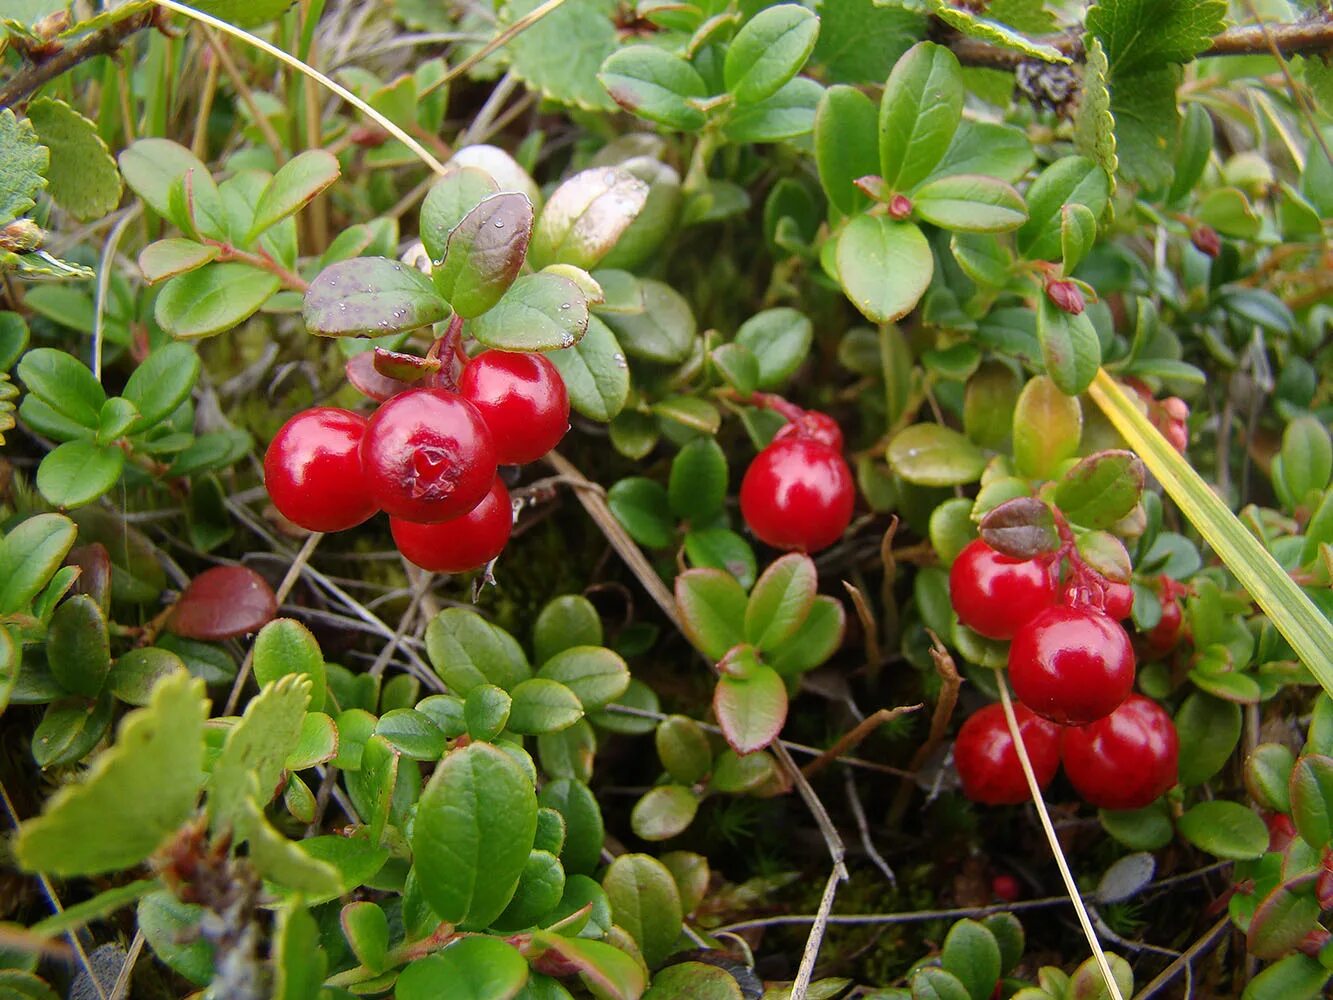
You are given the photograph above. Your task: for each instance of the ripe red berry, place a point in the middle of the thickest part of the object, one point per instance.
(988, 763)
(815, 426)
(1126, 760)
(428, 456)
(798, 494)
(523, 401)
(313, 470)
(1072, 665)
(1163, 636)
(995, 595)
(462, 544)
(1118, 600)
(1006, 888)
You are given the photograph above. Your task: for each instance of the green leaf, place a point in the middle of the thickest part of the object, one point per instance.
(780, 602)
(884, 266)
(1072, 180)
(750, 702)
(213, 299)
(135, 794)
(256, 751)
(1268, 771)
(448, 202)
(366, 929)
(595, 675)
(970, 203)
(582, 850)
(318, 742)
(1296, 977)
(282, 862)
(1225, 830)
(299, 963)
(780, 340)
(161, 383)
(919, 113)
(1147, 122)
(695, 981)
(565, 622)
(663, 812)
(697, 488)
(97, 908)
(485, 253)
(486, 711)
(1307, 461)
(542, 705)
(30, 555)
(595, 373)
(370, 296)
(1281, 922)
(539, 312)
(607, 971)
(646, 903)
(712, 609)
(1094, 125)
(472, 968)
(1070, 349)
(683, 749)
(1102, 489)
(585, 217)
(788, 114)
(656, 85)
(1047, 427)
(1209, 730)
(284, 646)
(171, 928)
(468, 651)
(157, 170)
(664, 332)
(11, 661)
(561, 53)
(70, 729)
(933, 983)
(1147, 829)
(987, 148)
(643, 507)
(722, 548)
(23, 165)
(1287, 606)
(935, 455)
(1078, 233)
(373, 784)
(1142, 35)
(78, 472)
(78, 647)
(474, 829)
(815, 641)
(413, 734)
(846, 145)
(82, 175)
(768, 51)
(861, 40)
(296, 184)
(972, 954)
(1195, 148)
(1311, 792)
(540, 888)
(1001, 35)
(63, 383)
(244, 13)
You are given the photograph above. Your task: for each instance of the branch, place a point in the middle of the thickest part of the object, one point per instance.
(99, 43)
(1300, 38)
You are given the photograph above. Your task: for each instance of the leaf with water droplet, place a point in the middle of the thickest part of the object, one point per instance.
(585, 217)
(529, 317)
(371, 296)
(484, 253)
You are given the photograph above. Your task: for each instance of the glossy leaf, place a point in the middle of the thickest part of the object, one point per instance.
(472, 968)
(846, 127)
(970, 203)
(78, 647)
(296, 184)
(467, 651)
(285, 646)
(1225, 830)
(594, 675)
(595, 373)
(712, 609)
(646, 903)
(223, 603)
(1048, 425)
(1102, 489)
(370, 296)
(768, 51)
(935, 455)
(585, 216)
(656, 85)
(484, 254)
(750, 702)
(663, 812)
(539, 312)
(781, 601)
(921, 109)
(884, 266)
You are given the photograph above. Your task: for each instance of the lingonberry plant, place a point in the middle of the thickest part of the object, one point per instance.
(584, 499)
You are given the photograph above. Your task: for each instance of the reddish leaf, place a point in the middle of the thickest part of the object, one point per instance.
(750, 701)
(94, 564)
(363, 374)
(223, 603)
(1021, 528)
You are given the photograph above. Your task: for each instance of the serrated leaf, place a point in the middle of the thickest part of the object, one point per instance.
(884, 266)
(256, 750)
(561, 53)
(656, 85)
(539, 312)
(82, 175)
(1001, 35)
(919, 113)
(484, 254)
(370, 296)
(23, 165)
(1094, 124)
(1144, 35)
(135, 794)
(1147, 122)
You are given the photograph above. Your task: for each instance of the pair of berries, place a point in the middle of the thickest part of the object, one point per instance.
(427, 458)
(1070, 664)
(1123, 761)
(798, 493)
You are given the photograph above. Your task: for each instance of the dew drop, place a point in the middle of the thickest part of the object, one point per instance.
(398, 267)
(567, 340)
(564, 305)
(619, 361)
(499, 223)
(342, 307)
(610, 177)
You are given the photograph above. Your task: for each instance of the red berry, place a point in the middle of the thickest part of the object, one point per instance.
(1163, 636)
(523, 401)
(464, 543)
(1006, 888)
(1126, 760)
(798, 494)
(995, 595)
(1118, 600)
(428, 456)
(815, 426)
(313, 470)
(988, 763)
(1072, 665)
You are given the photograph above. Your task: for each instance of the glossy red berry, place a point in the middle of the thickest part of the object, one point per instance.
(1118, 600)
(798, 494)
(1006, 888)
(1072, 665)
(428, 456)
(1126, 760)
(462, 544)
(313, 470)
(995, 595)
(523, 400)
(988, 763)
(1163, 636)
(813, 425)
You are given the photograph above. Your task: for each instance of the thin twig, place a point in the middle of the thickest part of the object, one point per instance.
(1184, 963)
(950, 683)
(1112, 987)
(99, 43)
(854, 736)
(859, 815)
(104, 282)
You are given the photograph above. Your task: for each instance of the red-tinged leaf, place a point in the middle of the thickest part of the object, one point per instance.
(223, 603)
(604, 968)
(1281, 922)
(750, 702)
(369, 381)
(1021, 528)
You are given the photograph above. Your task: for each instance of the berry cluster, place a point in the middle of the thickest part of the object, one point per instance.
(427, 458)
(1072, 666)
(798, 492)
